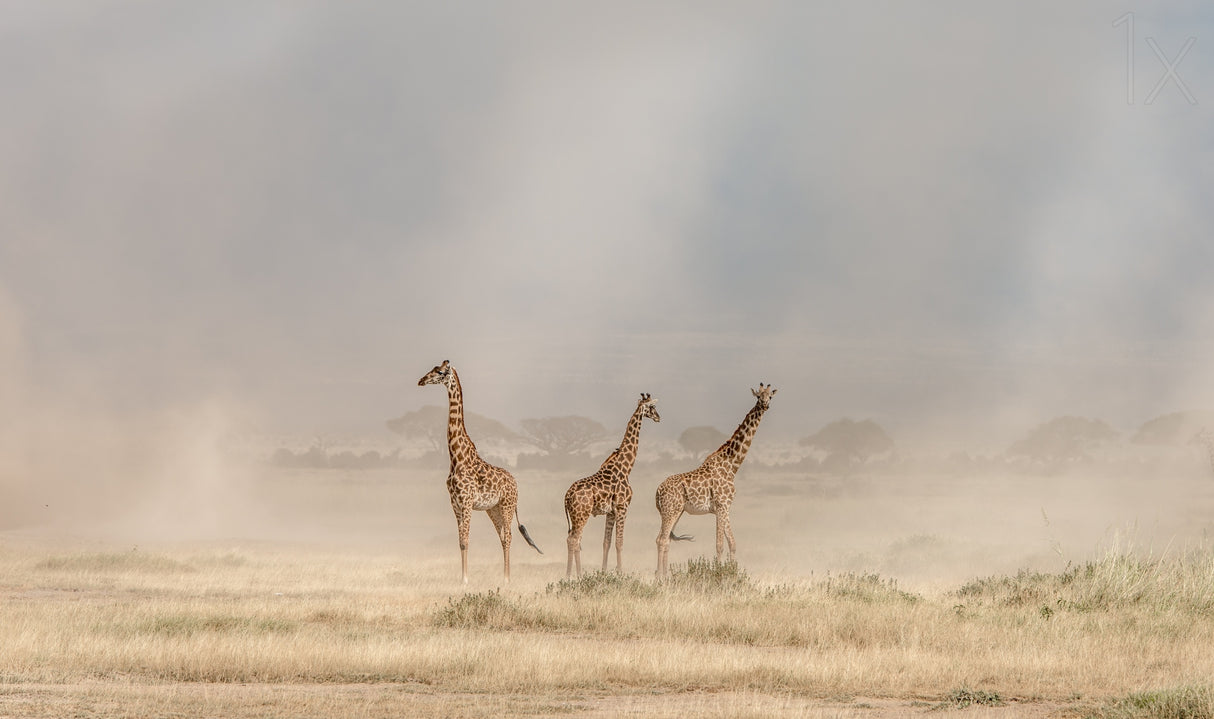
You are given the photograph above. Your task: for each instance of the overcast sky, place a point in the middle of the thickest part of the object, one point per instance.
(935, 214)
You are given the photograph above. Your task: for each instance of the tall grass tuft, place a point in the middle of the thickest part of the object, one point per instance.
(711, 576)
(1180, 703)
(487, 610)
(1117, 581)
(868, 588)
(604, 584)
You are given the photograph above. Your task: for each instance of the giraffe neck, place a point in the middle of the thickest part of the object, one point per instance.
(734, 450)
(458, 441)
(625, 455)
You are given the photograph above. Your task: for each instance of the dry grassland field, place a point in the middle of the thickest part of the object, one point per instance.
(314, 593)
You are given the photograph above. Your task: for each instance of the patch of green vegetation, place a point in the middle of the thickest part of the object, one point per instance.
(1118, 581)
(483, 610)
(868, 588)
(133, 561)
(710, 576)
(604, 584)
(1180, 703)
(965, 697)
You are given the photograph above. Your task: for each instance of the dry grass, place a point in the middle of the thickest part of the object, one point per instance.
(345, 602)
(343, 634)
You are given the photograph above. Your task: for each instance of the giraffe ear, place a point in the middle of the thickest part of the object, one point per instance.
(446, 362)
(754, 391)
(773, 392)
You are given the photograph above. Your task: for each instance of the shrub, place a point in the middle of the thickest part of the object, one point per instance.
(481, 610)
(604, 584)
(711, 576)
(965, 697)
(868, 588)
(1119, 580)
(1180, 703)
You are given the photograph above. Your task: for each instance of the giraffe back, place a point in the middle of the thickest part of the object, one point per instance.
(600, 493)
(479, 485)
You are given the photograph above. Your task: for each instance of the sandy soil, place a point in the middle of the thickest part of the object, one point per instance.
(395, 700)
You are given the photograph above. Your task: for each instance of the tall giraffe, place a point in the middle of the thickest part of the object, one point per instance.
(709, 489)
(473, 483)
(607, 492)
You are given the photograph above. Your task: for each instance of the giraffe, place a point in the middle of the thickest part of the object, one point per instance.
(607, 492)
(473, 483)
(709, 489)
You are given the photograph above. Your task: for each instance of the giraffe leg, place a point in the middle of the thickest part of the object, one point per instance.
(670, 500)
(570, 543)
(668, 521)
(463, 518)
(501, 517)
(607, 538)
(620, 515)
(577, 522)
(722, 523)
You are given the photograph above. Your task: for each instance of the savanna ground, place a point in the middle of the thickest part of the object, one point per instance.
(336, 594)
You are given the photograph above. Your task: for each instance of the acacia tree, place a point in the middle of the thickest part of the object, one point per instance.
(1176, 429)
(701, 440)
(1064, 439)
(563, 435)
(847, 442)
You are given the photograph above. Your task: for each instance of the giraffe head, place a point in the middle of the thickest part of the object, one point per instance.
(764, 394)
(442, 374)
(649, 407)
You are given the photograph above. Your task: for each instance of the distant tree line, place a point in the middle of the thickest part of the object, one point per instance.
(317, 457)
(842, 447)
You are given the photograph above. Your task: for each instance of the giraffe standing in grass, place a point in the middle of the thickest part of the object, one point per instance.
(709, 488)
(607, 492)
(474, 484)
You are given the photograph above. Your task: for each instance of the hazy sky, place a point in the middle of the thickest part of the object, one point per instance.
(933, 214)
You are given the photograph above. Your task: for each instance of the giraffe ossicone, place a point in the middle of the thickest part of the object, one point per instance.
(607, 491)
(473, 483)
(709, 488)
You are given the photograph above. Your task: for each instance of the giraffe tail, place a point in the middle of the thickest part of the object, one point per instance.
(526, 536)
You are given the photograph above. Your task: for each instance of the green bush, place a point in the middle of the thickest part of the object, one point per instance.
(604, 584)
(1180, 703)
(475, 611)
(710, 576)
(868, 588)
(966, 697)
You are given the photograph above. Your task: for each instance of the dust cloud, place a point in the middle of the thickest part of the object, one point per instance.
(236, 232)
